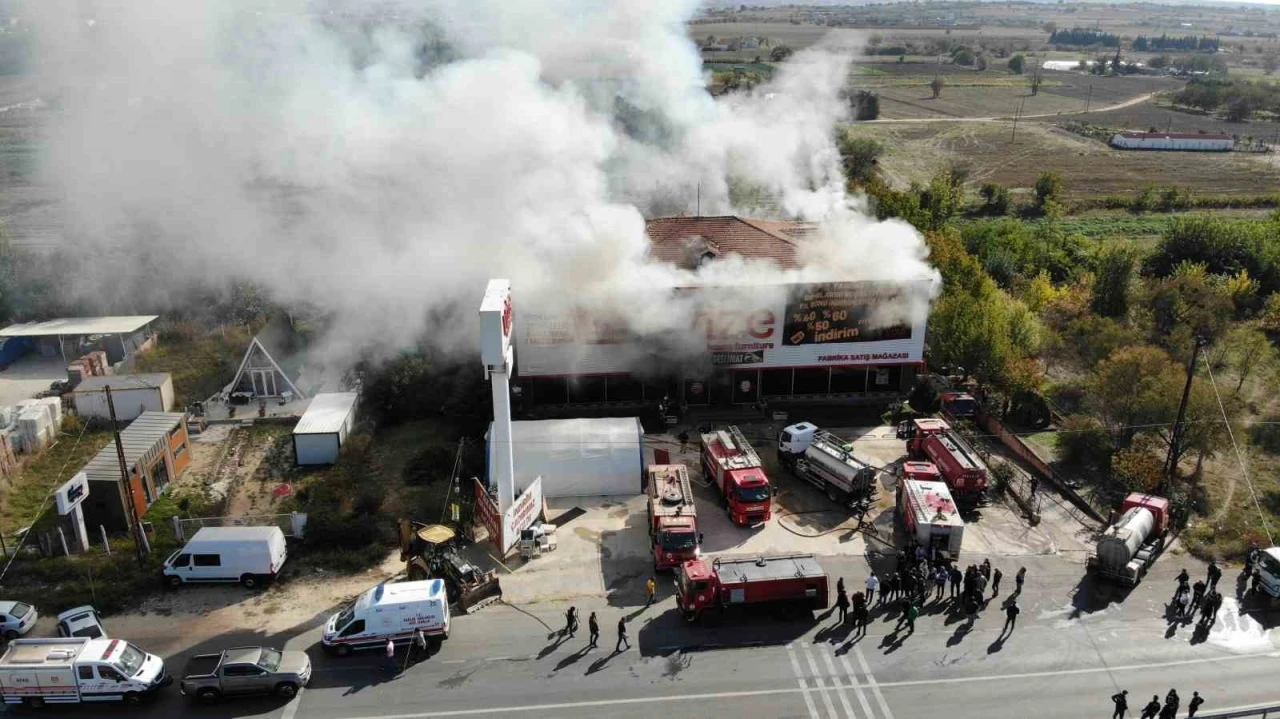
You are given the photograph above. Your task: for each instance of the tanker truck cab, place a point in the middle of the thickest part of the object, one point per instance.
(794, 440)
(696, 587)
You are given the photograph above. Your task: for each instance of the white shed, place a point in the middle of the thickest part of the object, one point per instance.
(132, 395)
(319, 435)
(579, 457)
(1187, 141)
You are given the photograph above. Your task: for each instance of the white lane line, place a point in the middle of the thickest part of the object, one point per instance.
(871, 681)
(496, 659)
(817, 678)
(795, 667)
(453, 661)
(291, 709)
(857, 687)
(835, 681)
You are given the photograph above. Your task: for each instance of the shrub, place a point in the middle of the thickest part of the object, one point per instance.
(1266, 434)
(1085, 443)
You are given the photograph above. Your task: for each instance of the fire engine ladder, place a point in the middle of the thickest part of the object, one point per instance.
(745, 450)
(676, 482)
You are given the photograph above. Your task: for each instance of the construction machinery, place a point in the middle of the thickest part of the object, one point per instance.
(731, 463)
(430, 551)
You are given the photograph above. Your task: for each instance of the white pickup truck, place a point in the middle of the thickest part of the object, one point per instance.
(36, 672)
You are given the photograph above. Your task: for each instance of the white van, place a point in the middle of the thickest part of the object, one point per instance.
(390, 611)
(249, 555)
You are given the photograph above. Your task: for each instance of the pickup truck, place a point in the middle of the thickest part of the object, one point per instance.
(246, 670)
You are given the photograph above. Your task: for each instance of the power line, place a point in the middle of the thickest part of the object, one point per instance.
(1244, 469)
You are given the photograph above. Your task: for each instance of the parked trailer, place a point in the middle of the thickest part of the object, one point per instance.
(786, 582)
(1130, 546)
(930, 515)
(673, 517)
(731, 463)
(827, 462)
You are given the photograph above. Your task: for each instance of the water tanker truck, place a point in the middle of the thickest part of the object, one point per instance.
(827, 462)
(732, 465)
(787, 582)
(962, 468)
(673, 518)
(1130, 546)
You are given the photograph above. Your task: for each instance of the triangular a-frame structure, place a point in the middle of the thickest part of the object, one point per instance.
(261, 375)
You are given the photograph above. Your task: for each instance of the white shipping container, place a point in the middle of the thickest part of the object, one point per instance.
(131, 394)
(323, 428)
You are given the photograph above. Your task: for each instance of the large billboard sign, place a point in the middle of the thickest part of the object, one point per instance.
(836, 324)
(496, 320)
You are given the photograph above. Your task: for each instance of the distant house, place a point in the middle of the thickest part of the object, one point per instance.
(750, 43)
(1194, 142)
(715, 47)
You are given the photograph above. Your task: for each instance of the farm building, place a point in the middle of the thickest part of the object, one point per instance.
(155, 451)
(1188, 141)
(71, 337)
(132, 394)
(320, 433)
(578, 457)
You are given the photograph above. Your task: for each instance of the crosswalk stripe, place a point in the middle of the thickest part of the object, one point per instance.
(835, 681)
(871, 681)
(804, 687)
(857, 686)
(817, 678)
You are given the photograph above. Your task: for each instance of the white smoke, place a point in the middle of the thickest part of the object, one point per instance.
(382, 161)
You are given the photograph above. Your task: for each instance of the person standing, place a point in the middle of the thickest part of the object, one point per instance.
(650, 587)
(622, 636)
(571, 621)
(956, 577)
(390, 656)
(1019, 579)
(1121, 700)
(986, 569)
(842, 603)
(420, 645)
(1184, 605)
(1215, 573)
(1152, 708)
(1011, 617)
(996, 574)
(873, 583)
(940, 583)
(1193, 706)
(839, 585)
(593, 630)
(1172, 700)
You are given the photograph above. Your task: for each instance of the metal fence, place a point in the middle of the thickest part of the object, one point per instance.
(292, 524)
(1262, 711)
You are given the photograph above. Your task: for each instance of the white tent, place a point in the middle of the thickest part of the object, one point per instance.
(579, 457)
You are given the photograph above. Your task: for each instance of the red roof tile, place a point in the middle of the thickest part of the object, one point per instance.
(683, 240)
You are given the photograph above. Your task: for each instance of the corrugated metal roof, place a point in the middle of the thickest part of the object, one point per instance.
(80, 326)
(142, 436)
(326, 413)
(123, 381)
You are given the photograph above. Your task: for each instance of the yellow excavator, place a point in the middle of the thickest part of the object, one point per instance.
(430, 551)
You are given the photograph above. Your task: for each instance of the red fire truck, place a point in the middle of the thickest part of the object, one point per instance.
(962, 469)
(793, 581)
(673, 518)
(730, 462)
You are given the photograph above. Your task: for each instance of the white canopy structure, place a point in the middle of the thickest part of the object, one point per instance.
(578, 457)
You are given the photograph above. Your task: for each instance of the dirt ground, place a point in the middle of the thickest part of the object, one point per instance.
(918, 151)
(239, 467)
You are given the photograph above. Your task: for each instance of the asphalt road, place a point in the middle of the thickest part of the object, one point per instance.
(1072, 648)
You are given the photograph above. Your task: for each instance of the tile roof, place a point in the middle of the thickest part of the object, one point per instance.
(682, 240)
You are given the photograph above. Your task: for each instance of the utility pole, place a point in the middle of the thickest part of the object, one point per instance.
(1088, 99)
(127, 486)
(1016, 114)
(1171, 462)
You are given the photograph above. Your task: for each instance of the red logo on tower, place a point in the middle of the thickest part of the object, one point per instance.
(506, 317)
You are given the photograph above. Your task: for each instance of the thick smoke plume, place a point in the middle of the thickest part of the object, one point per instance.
(381, 161)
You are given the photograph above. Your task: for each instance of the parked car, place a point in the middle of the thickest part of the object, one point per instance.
(246, 670)
(16, 619)
(81, 622)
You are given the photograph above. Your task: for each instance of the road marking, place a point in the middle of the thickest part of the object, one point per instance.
(453, 661)
(291, 709)
(496, 659)
(817, 678)
(857, 688)
(795, 667)
(871, 681)
(835, 680)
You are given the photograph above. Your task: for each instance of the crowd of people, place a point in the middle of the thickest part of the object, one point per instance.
(1154, 709)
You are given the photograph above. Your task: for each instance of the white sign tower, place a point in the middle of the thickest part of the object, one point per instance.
(499, 363)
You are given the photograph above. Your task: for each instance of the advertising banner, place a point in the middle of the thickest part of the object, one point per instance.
(521, 515)
(838, 324)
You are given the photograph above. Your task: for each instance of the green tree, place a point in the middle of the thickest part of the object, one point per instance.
(981, 63)
(995, 199)
(860, 156)
(1189, 301)
(780, 53)
(963, 56)
(1084, 442)
(1113, 281)
(936, 86)
(1048, 189)
(866, 105)
(1245, 350)
(1134, 387)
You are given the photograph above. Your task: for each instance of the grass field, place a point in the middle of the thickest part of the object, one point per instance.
(26, 494)
(919, 150)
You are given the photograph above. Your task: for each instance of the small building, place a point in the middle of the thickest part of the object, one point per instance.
(156, 450)
(319, 435)
(271, 367)
(72, 337)
(1186, 141)
(132, 394)
(578, 457)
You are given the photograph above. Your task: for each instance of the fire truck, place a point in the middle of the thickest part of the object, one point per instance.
(962, 469)
(730, 462)
(673, 518)
(793, 581)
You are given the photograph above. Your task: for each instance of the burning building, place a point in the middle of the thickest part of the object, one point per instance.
(837, 341)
